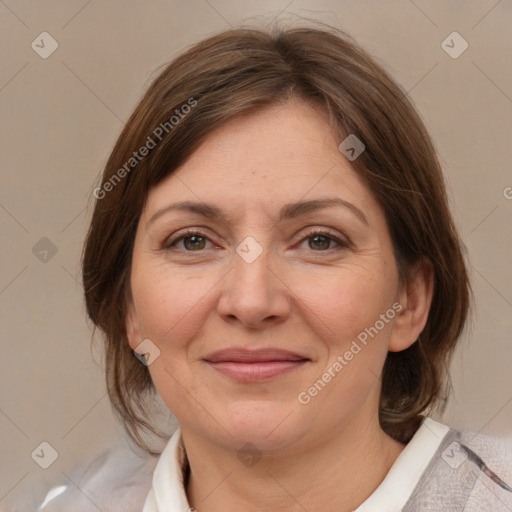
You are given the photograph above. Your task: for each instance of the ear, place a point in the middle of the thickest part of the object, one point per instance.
(132, 326)
(415, 297)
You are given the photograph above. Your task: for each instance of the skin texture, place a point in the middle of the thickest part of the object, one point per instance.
(303, 294)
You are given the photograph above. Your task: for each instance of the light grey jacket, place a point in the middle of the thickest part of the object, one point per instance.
(460, 472)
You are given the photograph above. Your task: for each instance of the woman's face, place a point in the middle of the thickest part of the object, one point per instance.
(266, 274)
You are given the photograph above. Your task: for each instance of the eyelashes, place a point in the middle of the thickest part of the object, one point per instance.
(185, 235)
(326, 235)
(198, 241)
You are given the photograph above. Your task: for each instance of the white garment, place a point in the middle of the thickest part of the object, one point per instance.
(433, 473)
(168, 493)
(434, 449)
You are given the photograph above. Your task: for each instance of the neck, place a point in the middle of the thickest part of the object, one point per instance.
(334, 475)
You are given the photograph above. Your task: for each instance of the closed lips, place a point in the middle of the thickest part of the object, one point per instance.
(237, 355)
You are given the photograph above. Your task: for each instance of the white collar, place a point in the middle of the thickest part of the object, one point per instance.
(396, 488)
(168, 492)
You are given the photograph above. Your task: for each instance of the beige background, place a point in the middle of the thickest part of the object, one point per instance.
(60, 117)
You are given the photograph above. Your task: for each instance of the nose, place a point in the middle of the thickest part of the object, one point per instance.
(254, 293)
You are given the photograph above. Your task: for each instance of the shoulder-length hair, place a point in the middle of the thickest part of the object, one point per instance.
(232, 74)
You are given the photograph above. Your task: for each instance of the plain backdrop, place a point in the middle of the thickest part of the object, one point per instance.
(61, 115)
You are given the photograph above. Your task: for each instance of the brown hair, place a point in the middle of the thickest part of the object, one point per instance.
(234, 73)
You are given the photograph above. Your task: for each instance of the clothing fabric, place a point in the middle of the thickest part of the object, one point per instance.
(436, 471)
(440, 469)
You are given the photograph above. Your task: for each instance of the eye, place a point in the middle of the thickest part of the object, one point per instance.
(321, 240)
(193, 240)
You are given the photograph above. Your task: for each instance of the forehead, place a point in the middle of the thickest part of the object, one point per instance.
(261, 161)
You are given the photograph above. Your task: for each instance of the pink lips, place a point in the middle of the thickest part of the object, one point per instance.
(254, 365)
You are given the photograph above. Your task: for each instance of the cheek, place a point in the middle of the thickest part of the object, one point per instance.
(169, 305)
(345, 302)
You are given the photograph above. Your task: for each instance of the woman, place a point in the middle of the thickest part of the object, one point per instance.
(271, 239)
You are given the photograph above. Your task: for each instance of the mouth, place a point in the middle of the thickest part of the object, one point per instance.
(245, 365)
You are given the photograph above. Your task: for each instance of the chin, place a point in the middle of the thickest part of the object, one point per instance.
(269, 425)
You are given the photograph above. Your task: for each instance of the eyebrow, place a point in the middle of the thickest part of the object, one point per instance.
(288, 211)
